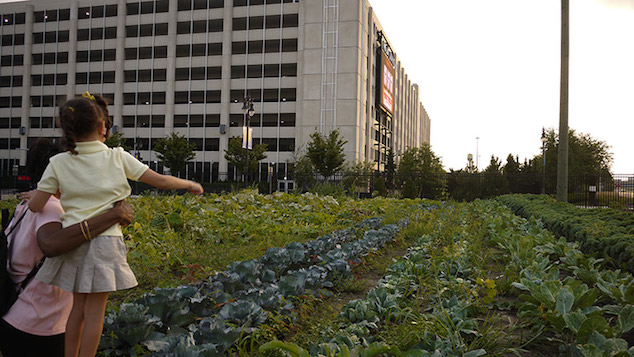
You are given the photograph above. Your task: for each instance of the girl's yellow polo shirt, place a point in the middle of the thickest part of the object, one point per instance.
(91, 181)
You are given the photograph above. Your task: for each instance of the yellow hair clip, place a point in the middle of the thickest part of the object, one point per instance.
(71, 109)
(88, 95)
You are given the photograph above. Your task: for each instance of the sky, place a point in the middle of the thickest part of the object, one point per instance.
(490, 69)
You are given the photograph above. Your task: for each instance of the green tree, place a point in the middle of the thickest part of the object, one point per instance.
(511, 171)
(495, 166)
(494, 182)
(586, 154)
(358, 177)
(418, 173)
(304, 172)
(175, 152)
(464, 184)
(588, 159)
(512, 166)
(117, 139)
(236, 155)
(326, 152)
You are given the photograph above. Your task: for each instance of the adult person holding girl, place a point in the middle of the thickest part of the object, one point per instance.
(91, 177)
(35, 324)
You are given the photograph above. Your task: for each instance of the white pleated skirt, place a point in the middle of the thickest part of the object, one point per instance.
(97, 266)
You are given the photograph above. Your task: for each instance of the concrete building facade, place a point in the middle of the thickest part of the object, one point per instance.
(185, 66)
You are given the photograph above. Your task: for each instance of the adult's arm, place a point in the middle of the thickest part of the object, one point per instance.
(55, 240)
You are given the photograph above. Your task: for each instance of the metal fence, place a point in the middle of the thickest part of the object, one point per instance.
(615, 191)
(607, 190)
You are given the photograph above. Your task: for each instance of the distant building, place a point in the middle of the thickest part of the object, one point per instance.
(186, 65)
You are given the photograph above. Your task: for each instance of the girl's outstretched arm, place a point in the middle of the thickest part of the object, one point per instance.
(38, 201)
(166, 182)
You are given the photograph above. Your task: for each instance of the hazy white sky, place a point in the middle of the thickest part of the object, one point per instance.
(491, 69)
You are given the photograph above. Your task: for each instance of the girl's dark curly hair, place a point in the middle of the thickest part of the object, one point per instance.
(82, 116)
(37, 158)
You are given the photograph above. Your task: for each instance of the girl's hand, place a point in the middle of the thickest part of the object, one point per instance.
(26, 195)
(195, 188)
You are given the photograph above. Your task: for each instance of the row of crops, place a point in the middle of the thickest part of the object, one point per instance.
(488, 282)
(262, 275)
(607, 232)
(476, 280)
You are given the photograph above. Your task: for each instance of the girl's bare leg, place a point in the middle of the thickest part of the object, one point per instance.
(94, 310)
(74, 326)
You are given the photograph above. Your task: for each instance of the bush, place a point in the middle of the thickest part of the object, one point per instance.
(334, 189)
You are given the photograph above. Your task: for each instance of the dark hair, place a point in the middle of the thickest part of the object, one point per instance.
(37, 158)
(81, 117)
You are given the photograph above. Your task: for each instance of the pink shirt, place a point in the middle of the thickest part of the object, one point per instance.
(41, 309)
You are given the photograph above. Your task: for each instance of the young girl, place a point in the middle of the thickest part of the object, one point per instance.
(35, 324)
(91, 177)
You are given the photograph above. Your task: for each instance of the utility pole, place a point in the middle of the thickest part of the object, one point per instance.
(562, 153)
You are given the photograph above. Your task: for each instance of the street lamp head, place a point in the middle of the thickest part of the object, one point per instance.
(247, 106)
(544, 139)
(251, 110)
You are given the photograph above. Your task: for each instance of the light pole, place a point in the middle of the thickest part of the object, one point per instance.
(271, 167)
(543, 161)
(138, 146)
(15, 172)
(247, 109)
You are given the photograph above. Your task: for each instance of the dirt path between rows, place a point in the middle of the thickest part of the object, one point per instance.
(367, 274)
(370, 274)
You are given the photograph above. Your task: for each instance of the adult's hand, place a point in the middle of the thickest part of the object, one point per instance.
(125, 212)
(26, 195)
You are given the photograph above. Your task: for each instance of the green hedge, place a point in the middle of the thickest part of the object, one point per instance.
(604, 232)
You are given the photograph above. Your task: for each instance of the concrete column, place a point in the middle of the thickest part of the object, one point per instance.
(366, 145)
(72, 50)
(118, 65)
(416, 118)
(302, 96)
(26, 82)
(171, 67)
(225, 94)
